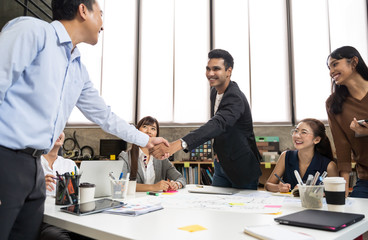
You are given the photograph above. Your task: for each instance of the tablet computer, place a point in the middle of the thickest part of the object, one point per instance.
(92, 207)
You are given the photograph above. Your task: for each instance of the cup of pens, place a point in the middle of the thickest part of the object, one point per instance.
(119, 186)
(311, 196)
(67, 189)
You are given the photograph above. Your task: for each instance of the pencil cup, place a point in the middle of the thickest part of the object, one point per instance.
(67, 189)
(87, 192)
(119, 188)
(311, 195)
(335, 193)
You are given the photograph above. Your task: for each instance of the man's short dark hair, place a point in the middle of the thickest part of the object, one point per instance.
(219, 53)
(67, 9)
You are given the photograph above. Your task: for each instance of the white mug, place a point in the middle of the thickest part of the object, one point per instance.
(87, 192)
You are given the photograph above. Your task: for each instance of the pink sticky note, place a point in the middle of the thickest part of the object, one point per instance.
(171, 191)
(273, 206)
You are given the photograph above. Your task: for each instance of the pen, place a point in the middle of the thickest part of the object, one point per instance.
(298, 178)
(152, 193)
(322, 177)
(112, 176)
(314, 181)
(309, 179)
(121, 175)
(281, 180)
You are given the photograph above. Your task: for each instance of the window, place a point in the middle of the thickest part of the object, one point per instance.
(311, 81)
(152, 55)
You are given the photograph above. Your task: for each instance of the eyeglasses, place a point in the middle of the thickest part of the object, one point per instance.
(301, 133)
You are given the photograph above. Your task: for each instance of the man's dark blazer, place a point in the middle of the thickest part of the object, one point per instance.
(234, 141)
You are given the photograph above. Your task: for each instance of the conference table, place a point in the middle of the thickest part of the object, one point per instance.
(219, 223)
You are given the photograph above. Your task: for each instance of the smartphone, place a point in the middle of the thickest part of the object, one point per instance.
(361, 122)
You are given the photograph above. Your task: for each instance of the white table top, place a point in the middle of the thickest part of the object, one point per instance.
(164, 224)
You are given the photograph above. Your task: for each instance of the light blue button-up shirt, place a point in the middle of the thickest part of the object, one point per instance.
(41, 80)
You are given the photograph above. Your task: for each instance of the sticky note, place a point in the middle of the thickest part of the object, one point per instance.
(112, 157)
(193, 228)
(171, 191)
(267, 165)
(186, 164)
(273, 206)
(236, 204)
(277, 213)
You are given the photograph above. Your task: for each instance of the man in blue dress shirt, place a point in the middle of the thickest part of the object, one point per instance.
(41, 80)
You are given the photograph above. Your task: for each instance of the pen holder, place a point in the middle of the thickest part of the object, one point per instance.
(67, 189)
(311, 195)
(119, 188)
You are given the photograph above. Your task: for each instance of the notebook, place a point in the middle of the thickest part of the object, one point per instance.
(212, 190)
(318, 219)
(97, 172)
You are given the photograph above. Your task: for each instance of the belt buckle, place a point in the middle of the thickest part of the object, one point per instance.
(36, 153)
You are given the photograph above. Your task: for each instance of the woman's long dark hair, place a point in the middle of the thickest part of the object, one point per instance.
(134, 151)
(339, 93)
(319, 130)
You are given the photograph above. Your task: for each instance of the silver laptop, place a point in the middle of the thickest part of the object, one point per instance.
(97, 172)
(212, 190)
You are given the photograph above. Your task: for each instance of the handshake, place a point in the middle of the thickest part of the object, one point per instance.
(160, 148)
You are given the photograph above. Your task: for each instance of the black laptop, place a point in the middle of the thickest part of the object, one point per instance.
(318, 219)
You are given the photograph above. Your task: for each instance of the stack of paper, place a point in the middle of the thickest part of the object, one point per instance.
(275, 232)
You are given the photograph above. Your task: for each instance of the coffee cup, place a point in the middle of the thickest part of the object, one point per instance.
(132, 185)
(335, 193)
(87, 192)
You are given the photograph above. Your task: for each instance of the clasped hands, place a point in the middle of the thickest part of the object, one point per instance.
(163, 150)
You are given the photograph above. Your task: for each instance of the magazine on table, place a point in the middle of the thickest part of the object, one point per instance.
(135, 209)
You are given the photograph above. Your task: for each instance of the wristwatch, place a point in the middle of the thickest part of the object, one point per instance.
(184, 145)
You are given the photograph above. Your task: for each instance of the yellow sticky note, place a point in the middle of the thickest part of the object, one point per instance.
(167, 193)
(267, 165)
(193, 228)
(276, 213)
(236, 204)
(112, 157)
(186, 164)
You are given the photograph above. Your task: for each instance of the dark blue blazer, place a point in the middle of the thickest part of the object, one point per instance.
(232, 130)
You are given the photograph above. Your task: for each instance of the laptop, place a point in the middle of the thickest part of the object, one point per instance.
(212, 190)
(318, 219)
(97, 172)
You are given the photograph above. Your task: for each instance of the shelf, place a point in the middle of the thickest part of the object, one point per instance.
(197, 164)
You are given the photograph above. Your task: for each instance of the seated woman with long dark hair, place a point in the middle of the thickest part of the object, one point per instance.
(151, 174)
